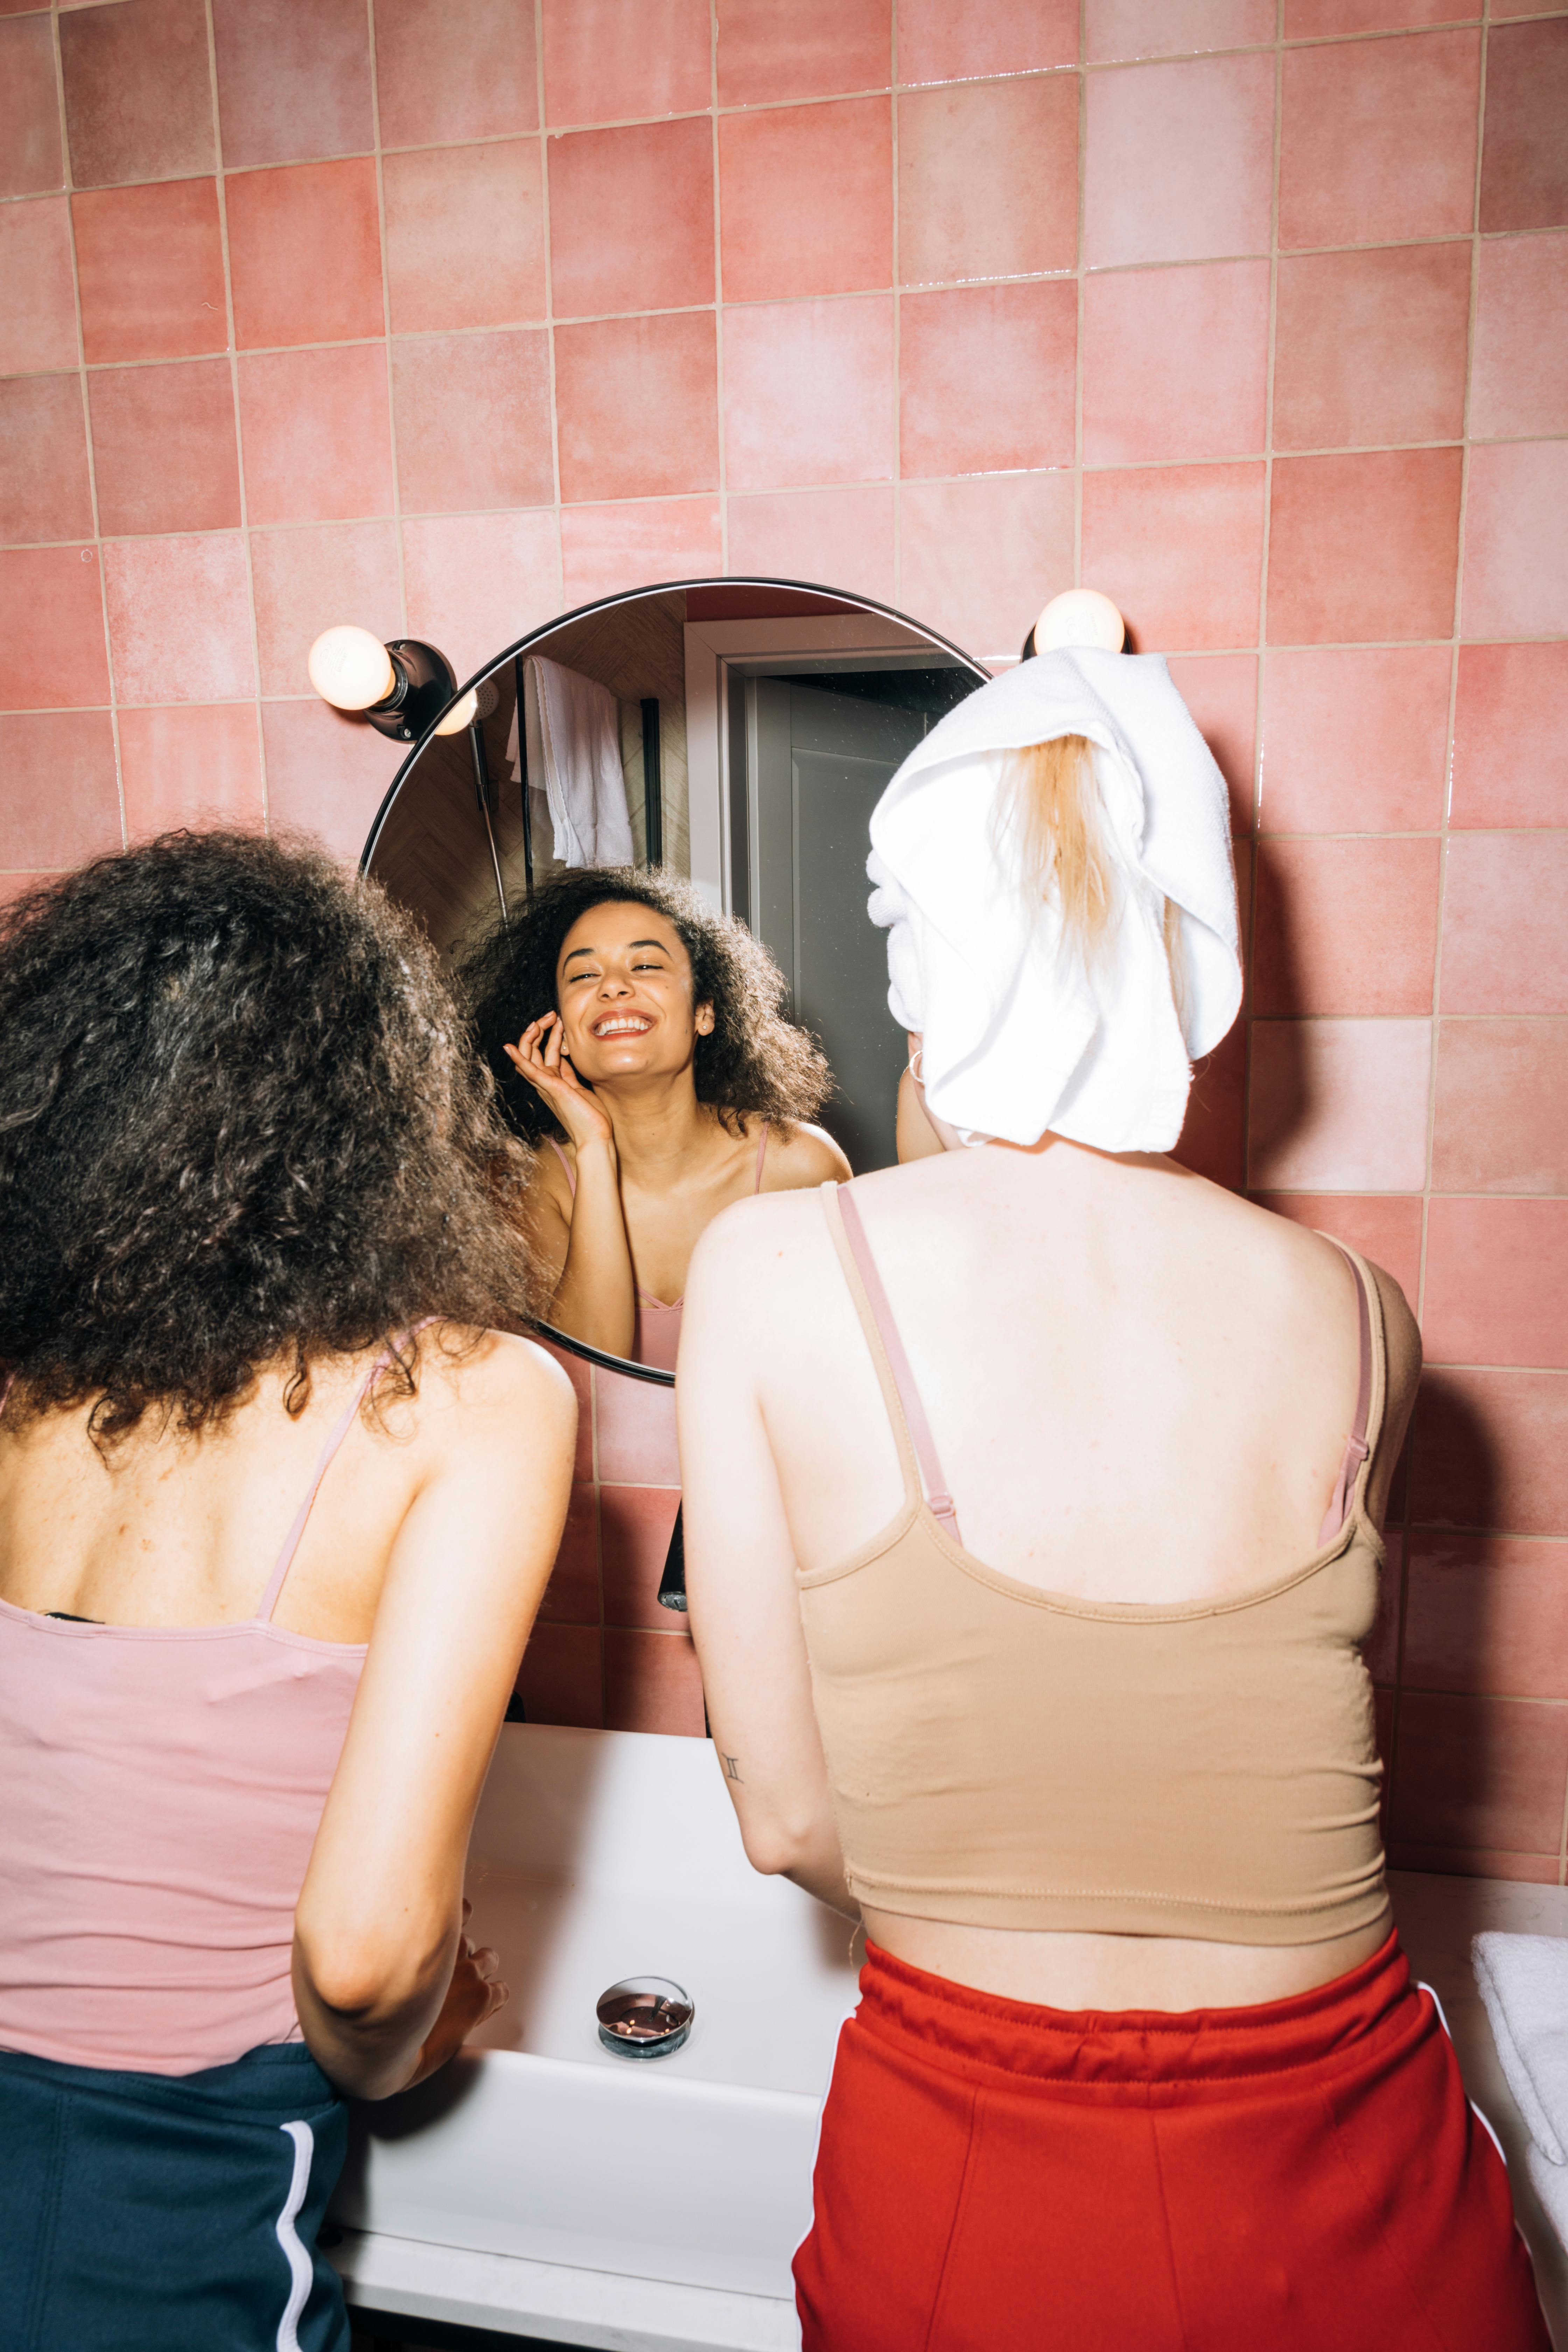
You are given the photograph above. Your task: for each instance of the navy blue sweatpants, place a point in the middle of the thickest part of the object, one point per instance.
(153, 2212)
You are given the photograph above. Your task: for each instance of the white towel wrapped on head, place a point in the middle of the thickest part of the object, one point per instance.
(1524, 1983)
(1019, 1037)
(572, 735)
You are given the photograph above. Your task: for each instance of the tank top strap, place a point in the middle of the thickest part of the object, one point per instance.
(1358, 1445)
(917, 1449)
(336, 1437)
(761, 1155)
(571, 1180)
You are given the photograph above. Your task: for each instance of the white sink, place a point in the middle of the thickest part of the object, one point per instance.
(598, 1855)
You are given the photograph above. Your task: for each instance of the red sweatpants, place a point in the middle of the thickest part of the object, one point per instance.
(1306, 2176)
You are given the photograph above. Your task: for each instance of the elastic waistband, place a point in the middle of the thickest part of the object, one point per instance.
(277, 2078)
(982, 2033)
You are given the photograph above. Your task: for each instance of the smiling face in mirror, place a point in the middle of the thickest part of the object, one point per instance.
(625, 997)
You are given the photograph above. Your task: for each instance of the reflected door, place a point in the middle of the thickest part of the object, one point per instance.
(818, 762)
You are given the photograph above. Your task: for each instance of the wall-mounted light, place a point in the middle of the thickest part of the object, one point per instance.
(399, 687)
(1079, 616)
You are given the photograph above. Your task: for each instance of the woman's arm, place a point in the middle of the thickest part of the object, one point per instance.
(739, 1579)
(379, 1921)
(595, 1296)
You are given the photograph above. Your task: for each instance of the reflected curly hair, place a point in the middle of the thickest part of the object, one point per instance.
(239, 1123)
(756, 1063)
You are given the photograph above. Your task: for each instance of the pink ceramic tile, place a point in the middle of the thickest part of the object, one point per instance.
(1496, 1282)
(138, 91)
(1354, 738)
(1307, 20)
(1491, 1451)
(43, 488)
(652, 1683)
(38, 291)
(808, 393)
(292, 82)
(961, 40)
(327, 774)
(450, 69)
(1502, 1120)
(636, 1431)
(473, 421)
(635, 543)
(281, 226)
(1505, 944)
(1212, 1140)
(812, 48)
(1020, 342)
(988, 180)
(1378, 140)
(842, 538)
(465, 235)
(808, 199)
(572, 1595)
(1475, 1862)
(191, 763)
(30, 158)
(1486, 1614)
(1524, 159)
(61, 803)
(138, 415)
(1179, 161)
(306, 580)
(1385, 1227)
(637, 408)
(315, 434)
(561, 1679)
(1175, 363)
(1511, 736)
(150, 263)
(979, 557)
(1339, 1105)
(1516, 550)
(1364, 546)
(1519, 374)
(1221, 692)
(631, 218)
(475, 584)
(605, 62)
(1346, 927)
(1180, 550)
(1480, 1772)
(1122, 29)
(52, 653)
(1370, 347)
(179, 618)
(637, 1522)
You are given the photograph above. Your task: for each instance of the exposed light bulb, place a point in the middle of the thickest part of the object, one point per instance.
(1081, 616)
(351, 668)
(462, 714)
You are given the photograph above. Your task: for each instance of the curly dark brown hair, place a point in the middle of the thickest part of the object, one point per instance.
(755, 1065)
(240, 1122)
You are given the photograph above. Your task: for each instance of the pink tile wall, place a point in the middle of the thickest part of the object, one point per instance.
(445, 314)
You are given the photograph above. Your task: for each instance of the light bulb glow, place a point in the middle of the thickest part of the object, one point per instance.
(1081, 616)
(350, 669)
(462, 714)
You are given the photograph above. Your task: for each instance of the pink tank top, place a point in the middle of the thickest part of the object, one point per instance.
(163, 1790)
(656, 1338)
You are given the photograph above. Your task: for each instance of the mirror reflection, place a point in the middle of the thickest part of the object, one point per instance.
(645, 860)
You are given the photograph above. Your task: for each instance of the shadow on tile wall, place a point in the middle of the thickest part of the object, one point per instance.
(1254, 313)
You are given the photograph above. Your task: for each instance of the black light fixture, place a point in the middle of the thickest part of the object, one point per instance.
(399, 687)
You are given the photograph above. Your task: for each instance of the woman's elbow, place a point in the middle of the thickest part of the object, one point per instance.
(365, 1980)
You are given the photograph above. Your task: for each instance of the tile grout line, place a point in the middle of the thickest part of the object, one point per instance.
(898, 386)
(549, 321)
(719, 420)
(396, 516)
(1256, 828)
(1080, 274)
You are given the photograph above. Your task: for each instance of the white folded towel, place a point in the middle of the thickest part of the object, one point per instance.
(573, 737)
(1523, 1981)
(1018, 1038)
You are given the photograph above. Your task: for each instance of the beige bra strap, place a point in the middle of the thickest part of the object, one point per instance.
(863, 1309)
(1358, 1450)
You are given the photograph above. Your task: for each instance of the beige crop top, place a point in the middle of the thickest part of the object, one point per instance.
(1005, 1756)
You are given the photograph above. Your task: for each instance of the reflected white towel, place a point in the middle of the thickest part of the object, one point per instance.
(1523, 1981)
(574, 738)
(1017, 1037)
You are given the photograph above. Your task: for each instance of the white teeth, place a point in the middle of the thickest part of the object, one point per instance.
(620, 1028)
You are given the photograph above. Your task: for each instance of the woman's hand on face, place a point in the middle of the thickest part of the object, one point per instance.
(538, 1057)
(474, 1993)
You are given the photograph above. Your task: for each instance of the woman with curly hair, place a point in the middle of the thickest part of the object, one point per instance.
(665, 1079)
(270, 1551)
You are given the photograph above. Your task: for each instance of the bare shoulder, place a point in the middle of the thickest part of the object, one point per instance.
(800, 1154)
(495, 1388)
(757, 1241)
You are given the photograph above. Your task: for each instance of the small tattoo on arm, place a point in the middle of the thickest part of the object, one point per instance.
(733, 1767)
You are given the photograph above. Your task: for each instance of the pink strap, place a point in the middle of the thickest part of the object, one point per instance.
(761, 1155)
(339, 1431)
(1356, 1446)
(937, 1495)
(571, 1180)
